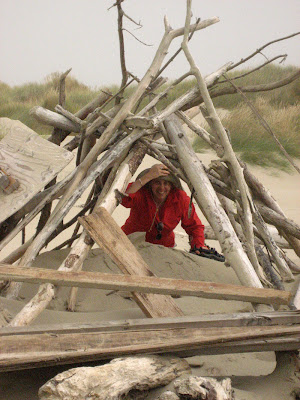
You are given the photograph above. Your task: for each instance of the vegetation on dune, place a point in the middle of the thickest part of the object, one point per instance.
(279, 107)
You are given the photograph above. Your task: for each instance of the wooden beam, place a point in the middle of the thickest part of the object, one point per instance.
(144, 284)
(101, 226)
(37, 349)
(191, 321)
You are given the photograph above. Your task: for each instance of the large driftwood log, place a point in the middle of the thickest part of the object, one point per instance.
(42, 237)
(80, 250)
(228, 155)
(114, 380)
(210, 205)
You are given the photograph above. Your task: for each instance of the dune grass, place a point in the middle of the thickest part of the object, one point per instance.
(280, 108)
(253, 142)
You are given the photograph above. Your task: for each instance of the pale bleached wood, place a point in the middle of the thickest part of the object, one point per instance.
(79, 252)
(50, 195)
(54, 119)
(144, 284)
(127, 107)
(109, 236)
(130, 376)
(107, 134)
(296, 300)
(197, 387)
(39, 349)
(179, 103)
(290, 317)
(30, 159)
(210, 205)
(42, 237)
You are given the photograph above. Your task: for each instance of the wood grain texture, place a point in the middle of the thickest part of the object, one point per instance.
(144, 284)
(109, 236)
(30, 159)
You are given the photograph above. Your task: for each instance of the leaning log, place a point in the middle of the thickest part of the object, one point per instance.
(109, 236)
(210, 205)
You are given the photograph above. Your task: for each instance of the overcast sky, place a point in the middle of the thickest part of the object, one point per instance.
(39, 37)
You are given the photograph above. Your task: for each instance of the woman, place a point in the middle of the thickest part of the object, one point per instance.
(158, 204)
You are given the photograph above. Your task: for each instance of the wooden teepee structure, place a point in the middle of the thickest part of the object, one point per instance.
(110, 146)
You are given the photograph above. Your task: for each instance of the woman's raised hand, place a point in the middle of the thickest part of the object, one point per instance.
(158, 170)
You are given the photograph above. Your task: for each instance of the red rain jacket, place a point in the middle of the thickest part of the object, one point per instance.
(174, 210)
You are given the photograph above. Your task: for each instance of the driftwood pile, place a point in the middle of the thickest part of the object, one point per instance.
(110, 146)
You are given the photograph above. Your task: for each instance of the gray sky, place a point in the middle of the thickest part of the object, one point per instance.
(38, 37)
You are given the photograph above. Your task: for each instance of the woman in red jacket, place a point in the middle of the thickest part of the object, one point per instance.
(158, 204)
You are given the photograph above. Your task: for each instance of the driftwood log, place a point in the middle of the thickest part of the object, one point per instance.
(105, 138)
(131, 377)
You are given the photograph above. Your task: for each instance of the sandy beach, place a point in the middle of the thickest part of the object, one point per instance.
(254, 375)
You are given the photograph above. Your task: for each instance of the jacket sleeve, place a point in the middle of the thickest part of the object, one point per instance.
(130, 199)
(193, 225)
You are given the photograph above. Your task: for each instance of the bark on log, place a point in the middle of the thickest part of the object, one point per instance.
(210, 206)
(114, 380)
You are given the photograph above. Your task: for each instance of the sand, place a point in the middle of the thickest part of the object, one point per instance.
(254, 375)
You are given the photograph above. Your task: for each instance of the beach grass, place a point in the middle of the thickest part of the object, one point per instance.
(279, 107)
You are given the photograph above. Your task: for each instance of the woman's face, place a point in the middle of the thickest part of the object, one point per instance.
(160, 189)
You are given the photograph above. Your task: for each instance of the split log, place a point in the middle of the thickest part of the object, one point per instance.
(196, 387)
(116, 379)
(210, 205)
(141, 284)
(109, 236)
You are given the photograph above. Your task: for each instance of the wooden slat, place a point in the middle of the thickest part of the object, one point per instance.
(145, 284)
(108, 235)
(30, 159)
(196, 321)
(22, 351)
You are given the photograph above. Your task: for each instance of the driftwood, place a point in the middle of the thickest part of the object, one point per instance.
(40, 346)
(209, 203)
(195, 387)
(106, 233)
(112, 381)
(105, 138)
(141, 284)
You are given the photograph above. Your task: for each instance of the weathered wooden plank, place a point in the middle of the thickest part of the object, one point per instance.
(194, 321)
(108, 235)
(145, 284)
(30, 159)
(30, 350)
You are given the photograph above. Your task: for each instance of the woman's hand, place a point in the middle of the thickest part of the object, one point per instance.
(157, 170)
